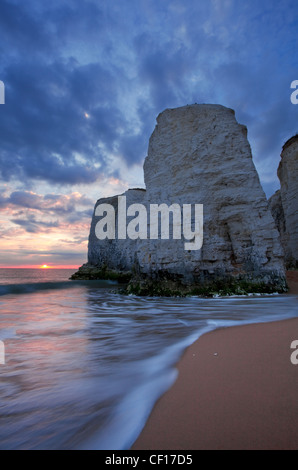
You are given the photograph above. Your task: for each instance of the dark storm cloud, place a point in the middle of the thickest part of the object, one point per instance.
(25, 199)
(52, 203)
(21, 30)
(61, 116)
(57, 255)
(32, 225)
(64, 256)
(46, 128)
(35, 213)
(86, 80)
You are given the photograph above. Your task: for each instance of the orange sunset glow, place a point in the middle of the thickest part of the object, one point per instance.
(35, 266)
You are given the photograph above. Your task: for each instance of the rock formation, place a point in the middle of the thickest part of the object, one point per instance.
(284, 203)
(112, 258)
(197, 154)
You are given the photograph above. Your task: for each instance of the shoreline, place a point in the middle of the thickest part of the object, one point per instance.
(236, 389)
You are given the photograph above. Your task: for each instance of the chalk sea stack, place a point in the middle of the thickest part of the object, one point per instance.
(284, 203)
(197, 154)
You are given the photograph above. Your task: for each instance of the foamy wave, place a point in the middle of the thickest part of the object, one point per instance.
(30, 288)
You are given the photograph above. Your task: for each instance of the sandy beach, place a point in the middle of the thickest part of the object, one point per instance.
(236, 389)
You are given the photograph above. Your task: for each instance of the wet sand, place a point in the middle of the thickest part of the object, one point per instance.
(236, 389)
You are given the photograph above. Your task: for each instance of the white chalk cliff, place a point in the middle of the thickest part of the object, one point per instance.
(198, 154)
(284, 203)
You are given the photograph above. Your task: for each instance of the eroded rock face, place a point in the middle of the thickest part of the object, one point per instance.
(284, 203)
(110, 258)
(278, 215)
(199, 154)
(115, 254)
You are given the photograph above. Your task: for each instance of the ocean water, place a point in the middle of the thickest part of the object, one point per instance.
(84, 364)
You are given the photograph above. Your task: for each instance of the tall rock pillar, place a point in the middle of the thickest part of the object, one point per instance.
(288, 176)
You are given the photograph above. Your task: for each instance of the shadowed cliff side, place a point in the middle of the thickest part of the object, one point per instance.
(284, 203)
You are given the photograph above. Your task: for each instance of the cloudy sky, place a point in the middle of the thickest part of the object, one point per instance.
(84, 82)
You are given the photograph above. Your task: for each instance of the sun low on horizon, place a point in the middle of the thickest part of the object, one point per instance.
(46, 266)
(42, 266)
